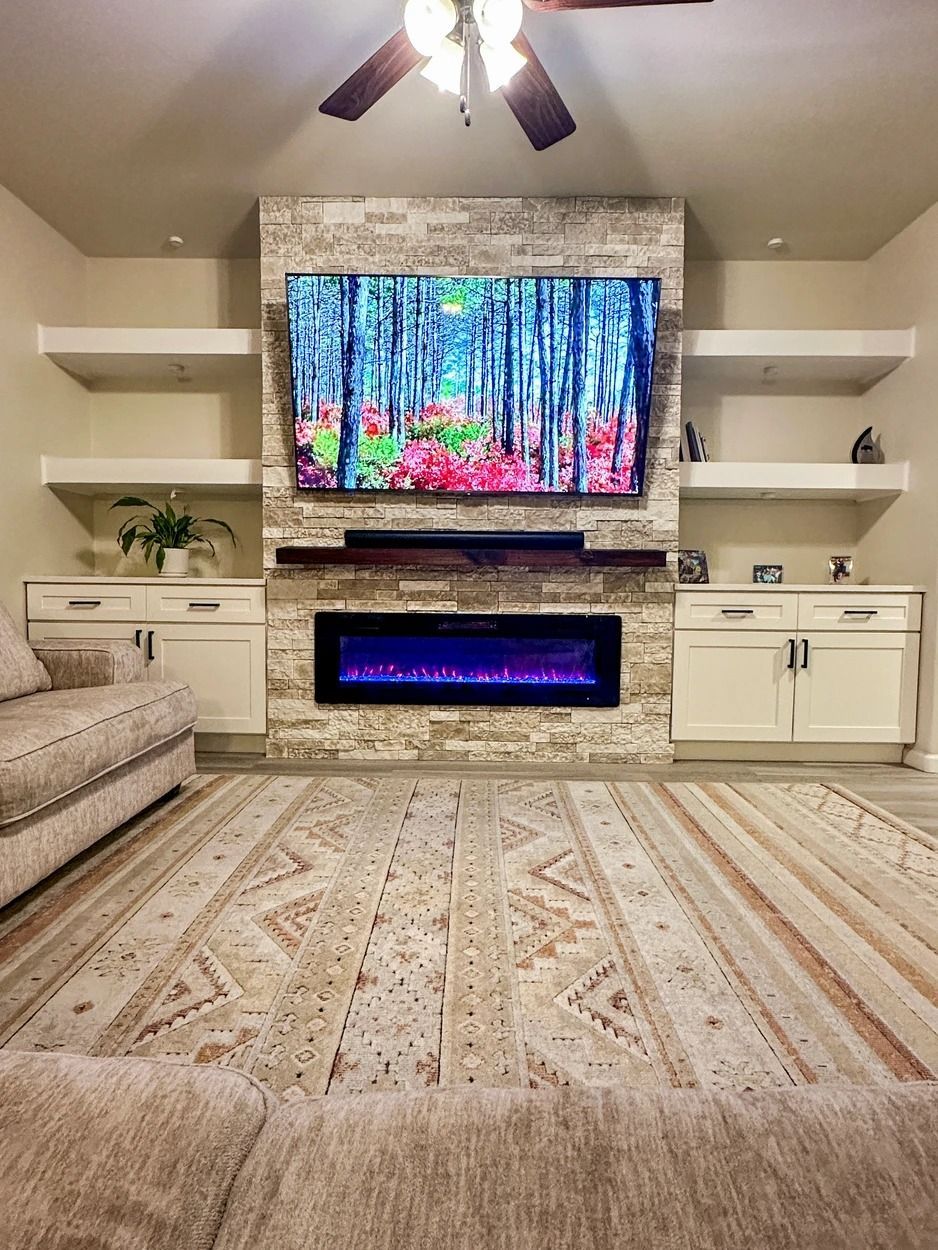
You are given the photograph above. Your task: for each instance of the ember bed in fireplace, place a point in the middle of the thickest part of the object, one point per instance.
(447, 658)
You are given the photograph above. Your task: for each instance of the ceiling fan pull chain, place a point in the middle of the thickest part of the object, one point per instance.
(465, 35)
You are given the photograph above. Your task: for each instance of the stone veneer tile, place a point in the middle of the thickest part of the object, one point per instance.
(602, 236)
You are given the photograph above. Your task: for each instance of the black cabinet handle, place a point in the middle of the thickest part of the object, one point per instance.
(84, 603)
(206, 607)
(150, 655)
(738, 611)
(804, 654)
(138, 637)
(792, 650)
(861, 612)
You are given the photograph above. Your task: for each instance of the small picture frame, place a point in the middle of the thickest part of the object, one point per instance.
(768, 574)
(841, 569)
(692, 568)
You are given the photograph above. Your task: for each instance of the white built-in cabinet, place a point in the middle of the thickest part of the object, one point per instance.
(796, 666)
(209, 634)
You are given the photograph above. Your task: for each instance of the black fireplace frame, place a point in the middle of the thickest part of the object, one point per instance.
(605, 629)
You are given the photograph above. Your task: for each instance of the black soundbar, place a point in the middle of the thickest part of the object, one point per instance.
(465, 540)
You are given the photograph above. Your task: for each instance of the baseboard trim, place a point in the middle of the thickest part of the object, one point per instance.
(231, 744)
(792, 752)
(924, 761)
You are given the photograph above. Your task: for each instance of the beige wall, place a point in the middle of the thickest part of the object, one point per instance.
(777, 295)
(173, 292)
(770, 426)
(900, 543)
(41, 408)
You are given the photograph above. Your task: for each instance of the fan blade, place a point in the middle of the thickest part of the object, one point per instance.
(374, 79)
(554, 6)
(536, 102)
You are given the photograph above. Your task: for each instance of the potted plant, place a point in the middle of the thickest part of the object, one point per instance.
(168, 533)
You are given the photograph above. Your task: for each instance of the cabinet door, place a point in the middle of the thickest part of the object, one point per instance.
(225, 666)
(732, 686)
(856, 687)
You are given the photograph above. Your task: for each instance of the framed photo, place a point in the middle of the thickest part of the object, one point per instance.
(692, 568)
(767, 574)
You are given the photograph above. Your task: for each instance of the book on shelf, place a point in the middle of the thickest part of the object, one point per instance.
(696, 446)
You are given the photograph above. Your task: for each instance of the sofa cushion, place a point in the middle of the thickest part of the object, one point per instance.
(56, 741)
(119, 1154)
(608, 1169)
(20, 671)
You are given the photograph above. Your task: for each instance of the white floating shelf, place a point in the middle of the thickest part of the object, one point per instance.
(103, 357)
(848, 482)
(96, 476)
(807, 361)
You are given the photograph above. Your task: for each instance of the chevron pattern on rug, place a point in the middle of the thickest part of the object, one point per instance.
(345, 935)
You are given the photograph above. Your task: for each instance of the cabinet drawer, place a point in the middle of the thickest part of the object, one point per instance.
(852, 611)
(222, 605)
(85, 601)
(726, 610)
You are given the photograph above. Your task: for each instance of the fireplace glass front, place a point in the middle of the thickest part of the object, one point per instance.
(449, 658)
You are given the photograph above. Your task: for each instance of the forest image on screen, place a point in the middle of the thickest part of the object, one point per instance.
(472, 384)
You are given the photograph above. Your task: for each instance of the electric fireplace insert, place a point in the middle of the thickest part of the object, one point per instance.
(459, 658)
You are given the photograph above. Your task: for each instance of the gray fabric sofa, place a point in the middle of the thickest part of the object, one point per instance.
(139, 1154)
(86, 742)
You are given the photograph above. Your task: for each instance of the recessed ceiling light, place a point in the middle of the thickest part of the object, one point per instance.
(175, 241)
(776, 244)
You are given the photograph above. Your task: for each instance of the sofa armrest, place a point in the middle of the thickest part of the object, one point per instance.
(76, 662)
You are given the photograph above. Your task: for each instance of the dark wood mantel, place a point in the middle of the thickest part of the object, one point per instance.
(474, 557)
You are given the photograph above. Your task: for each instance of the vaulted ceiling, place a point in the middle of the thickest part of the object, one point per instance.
(816, 120)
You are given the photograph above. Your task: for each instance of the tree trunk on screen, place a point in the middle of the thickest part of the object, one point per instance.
(579, 329)
(508, 385)
(353, 380)
(396, 364)
(544, 331)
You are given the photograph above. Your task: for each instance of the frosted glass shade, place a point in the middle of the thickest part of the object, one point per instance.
(502, 62)
(498, 20)
(427, 22)
(445, 66)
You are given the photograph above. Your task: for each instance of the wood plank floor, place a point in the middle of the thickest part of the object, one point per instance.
(910, 795)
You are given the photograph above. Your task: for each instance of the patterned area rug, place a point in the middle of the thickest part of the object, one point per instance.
(339, 935)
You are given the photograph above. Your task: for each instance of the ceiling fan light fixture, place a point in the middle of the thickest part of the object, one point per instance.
(498, 20)
(444, 69)
(502, 62)
(427, 22)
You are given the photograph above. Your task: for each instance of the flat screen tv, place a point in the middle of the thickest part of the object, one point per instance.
(472, 385)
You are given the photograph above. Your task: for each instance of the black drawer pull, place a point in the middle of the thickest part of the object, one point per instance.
(738, 611)
(84, 603)
(792, 649)
(150, 655)
(138, 637)
(861, 612)
(209, 607)
(804, 656)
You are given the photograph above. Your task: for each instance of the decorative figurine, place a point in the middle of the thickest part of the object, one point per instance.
(867, 449)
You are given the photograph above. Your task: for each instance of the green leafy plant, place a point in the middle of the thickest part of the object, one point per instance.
(163, 529)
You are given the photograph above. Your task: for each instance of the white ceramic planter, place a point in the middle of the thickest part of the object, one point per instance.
(175, 562)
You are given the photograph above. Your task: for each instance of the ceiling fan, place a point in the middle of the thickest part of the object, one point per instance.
(441, 35)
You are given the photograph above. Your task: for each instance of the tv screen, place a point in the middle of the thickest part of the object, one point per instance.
(472, 385)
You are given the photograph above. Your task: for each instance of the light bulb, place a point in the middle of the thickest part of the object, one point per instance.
(502, 62)
(498, 20)
(445, 66)
(427, 22)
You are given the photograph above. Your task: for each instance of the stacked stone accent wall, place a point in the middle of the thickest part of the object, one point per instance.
(618, 237)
